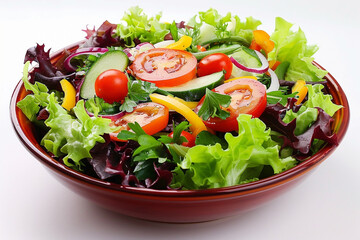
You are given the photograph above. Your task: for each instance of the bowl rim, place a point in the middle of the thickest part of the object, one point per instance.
(342, 118)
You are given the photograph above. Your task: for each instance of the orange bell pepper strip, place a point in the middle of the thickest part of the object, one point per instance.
(273, 64)
(254, 45)
(200, 48)
(263, 40)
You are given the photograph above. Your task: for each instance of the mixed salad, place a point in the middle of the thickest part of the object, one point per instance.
(207, 103)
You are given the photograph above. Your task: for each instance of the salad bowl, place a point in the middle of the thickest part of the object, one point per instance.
(176, 206)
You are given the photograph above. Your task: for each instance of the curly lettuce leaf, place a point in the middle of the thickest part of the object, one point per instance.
(141, 27)
(243, 160)
(32, 103)
(292, 47)
(73, 137)
(307, 114)
(213, 25)
(305, 117)
(316, 98)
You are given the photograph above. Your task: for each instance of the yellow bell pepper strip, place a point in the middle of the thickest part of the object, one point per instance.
(196, 123)
(183, 43)
(232, 79)
(70, 95)
(263, 40)
(301, 89)
(191, 105)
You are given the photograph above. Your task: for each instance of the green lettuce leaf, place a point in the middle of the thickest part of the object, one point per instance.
(243, 160)
(69, 136)
(73, 137)
(316, 98)
(31, 104)
(140, 26)
(213, 25)
(292, 47)
(305, 117)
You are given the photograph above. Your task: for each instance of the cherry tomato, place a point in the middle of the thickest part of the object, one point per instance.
(165, 67)
(112, 86)
(152, 117)
(189, 137)
(215, 63)
(248, 96)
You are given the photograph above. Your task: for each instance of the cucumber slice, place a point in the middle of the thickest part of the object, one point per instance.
(194, 89)
(110, 60)
(246, 57)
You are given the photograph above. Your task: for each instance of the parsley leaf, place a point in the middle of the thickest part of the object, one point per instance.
(177, 138)
(127, 135)
(138, 91)
(149, 148)
(212, 105)
(279, 97)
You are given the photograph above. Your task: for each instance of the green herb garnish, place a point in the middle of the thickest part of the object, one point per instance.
(212, 105)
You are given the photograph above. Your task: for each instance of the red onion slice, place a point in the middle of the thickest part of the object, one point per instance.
(82, 51)
(264, 64)
(274, 86)
(144, 46)
(133, 52)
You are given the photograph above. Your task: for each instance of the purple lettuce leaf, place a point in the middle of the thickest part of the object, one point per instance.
(111, 161)
(102, 37)
(46, 72)
(320, 129)
(163, 176)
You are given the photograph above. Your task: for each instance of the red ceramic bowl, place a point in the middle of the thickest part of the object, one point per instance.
(176, 205)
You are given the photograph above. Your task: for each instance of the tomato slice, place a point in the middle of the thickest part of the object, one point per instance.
(248, 96)
(152, 117)
(165, 67)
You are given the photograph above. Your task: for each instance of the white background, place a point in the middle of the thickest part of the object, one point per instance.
(35, 206)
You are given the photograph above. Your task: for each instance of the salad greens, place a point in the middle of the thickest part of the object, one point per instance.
(86, 139)
(292, 47)
(141, 27)
(214, 26)
(70, 136)
(246, 155)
